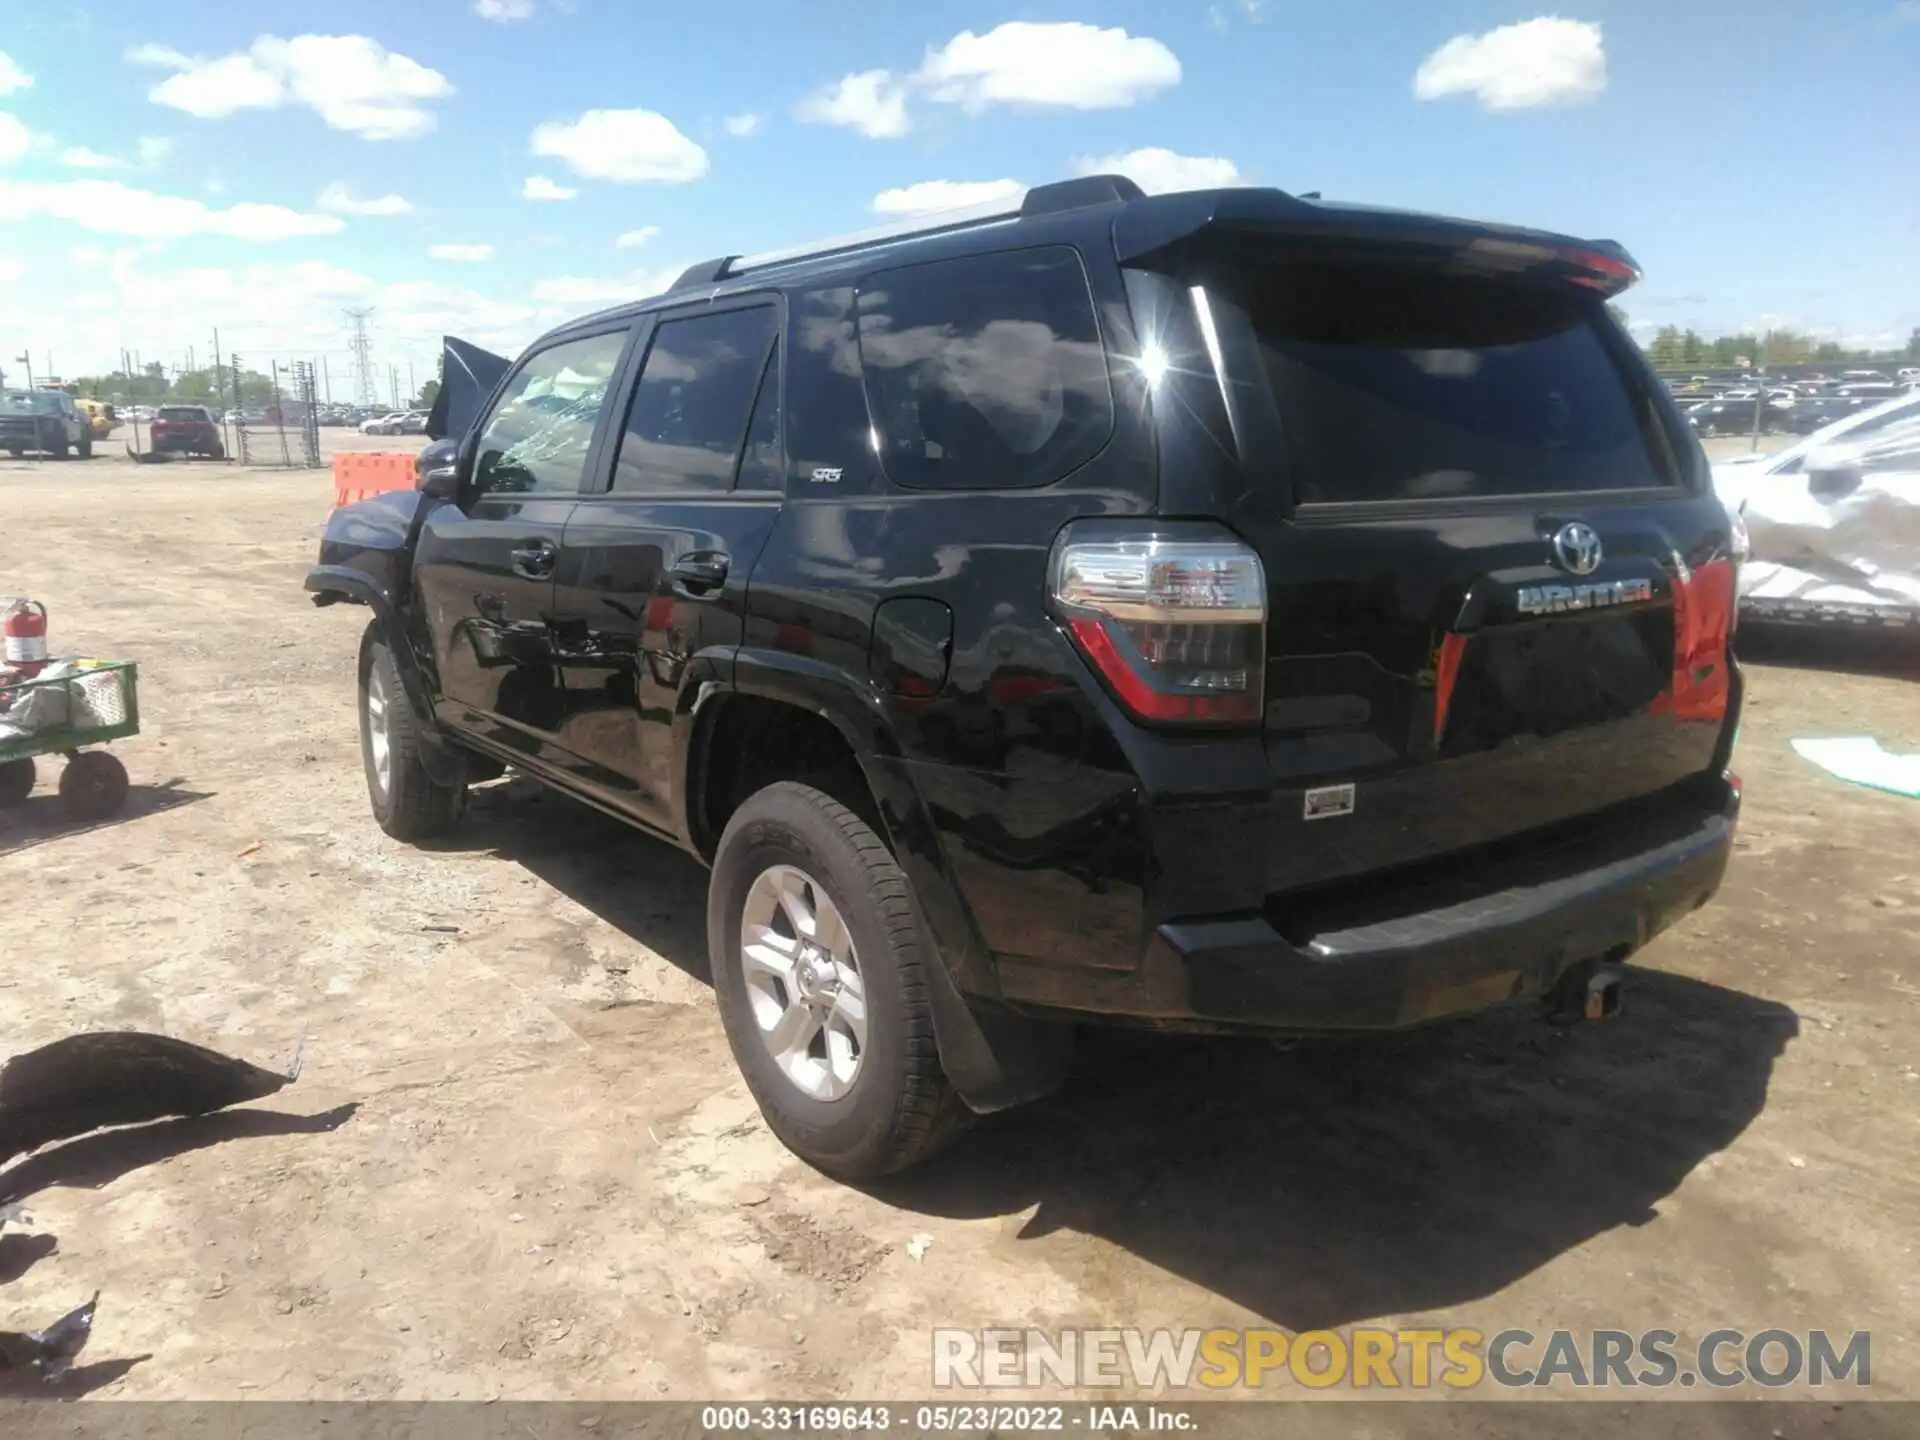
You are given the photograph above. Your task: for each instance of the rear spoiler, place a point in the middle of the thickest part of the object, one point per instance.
(1153, 231)
(468, 376)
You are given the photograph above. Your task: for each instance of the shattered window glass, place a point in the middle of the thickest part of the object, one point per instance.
(537, 438)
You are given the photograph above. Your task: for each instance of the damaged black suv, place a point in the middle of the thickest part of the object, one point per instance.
(1218, 611)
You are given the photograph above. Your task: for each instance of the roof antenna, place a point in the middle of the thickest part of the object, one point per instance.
(1309, 195)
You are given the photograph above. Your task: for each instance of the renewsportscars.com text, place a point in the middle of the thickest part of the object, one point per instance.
(1382, 1359)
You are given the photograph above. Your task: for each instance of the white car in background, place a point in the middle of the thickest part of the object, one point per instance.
(383, 424)
(1833, 521)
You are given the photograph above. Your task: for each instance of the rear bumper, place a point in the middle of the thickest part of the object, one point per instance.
(1420, 952)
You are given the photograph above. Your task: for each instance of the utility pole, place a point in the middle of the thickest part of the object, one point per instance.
(393, 385)
(413, 390)
(362, 344)
(326, 381)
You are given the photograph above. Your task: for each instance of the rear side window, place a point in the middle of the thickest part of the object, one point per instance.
(985, 373)
(696, 395)
(1397, 384)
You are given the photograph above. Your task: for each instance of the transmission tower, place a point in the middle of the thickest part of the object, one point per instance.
(362, 344)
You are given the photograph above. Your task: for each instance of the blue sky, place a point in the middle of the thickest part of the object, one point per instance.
(168, 169)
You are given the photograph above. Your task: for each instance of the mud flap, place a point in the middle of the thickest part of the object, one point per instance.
(996, 1060)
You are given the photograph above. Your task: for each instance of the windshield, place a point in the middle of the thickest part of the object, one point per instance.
(1403, 384)
(29, 402)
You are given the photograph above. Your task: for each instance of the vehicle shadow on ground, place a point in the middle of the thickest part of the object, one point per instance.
(44, 817)
(1890, 654)
(645, 888)
(1340, 1181)
(99, 1159)
(1318, 1185)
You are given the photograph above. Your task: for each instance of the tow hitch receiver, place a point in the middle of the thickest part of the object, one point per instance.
(1602, 998)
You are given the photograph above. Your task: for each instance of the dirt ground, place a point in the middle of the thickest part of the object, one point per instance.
(520, 1163)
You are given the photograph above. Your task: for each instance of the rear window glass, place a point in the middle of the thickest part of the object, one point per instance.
(986, 372)
(1410, 385)
(182, 412)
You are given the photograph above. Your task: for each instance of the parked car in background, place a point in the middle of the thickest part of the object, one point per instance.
(383, 424)
(44, 420)
(187, 430)
(414, 422)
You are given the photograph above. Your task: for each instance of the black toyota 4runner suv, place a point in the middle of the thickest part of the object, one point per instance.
(1217, 611)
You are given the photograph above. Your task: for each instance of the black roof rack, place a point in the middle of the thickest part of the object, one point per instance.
(707, 272)
(1079, 193)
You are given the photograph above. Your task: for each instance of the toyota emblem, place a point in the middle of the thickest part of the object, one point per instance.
(1577, 547)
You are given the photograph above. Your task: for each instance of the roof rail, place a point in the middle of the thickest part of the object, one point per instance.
(1038, 200)
(1078, 193)
(707, 272)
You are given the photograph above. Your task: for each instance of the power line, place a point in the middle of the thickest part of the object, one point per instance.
(362, 349)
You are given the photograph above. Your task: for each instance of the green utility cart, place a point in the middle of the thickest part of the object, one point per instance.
(86, 704)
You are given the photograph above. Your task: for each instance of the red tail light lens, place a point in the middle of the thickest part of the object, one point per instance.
(1175, 625)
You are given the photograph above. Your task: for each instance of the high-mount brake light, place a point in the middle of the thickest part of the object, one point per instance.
(1176, 626)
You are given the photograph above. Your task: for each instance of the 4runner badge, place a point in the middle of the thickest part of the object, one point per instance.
(1328, 802)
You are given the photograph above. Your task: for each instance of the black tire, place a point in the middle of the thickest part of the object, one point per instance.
(86, 446)
(219, 452)
(94, 785)
(62, 449)
(16, 783)
(409, 804)
(900, 1108)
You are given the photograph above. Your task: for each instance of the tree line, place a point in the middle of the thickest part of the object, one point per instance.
(150, 384)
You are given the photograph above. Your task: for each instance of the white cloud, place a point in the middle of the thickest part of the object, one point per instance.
(1219, 21)
(353, 83)
(465, 254)
(109, 207)
(539, 187)
(630, 146)
(933, 195)
(577, 292)
(341, 200)
(1079, 66)
(872, 102)
(12, 77)
(632, 239)
(15, 138)
(79, 157)
(741, 126)
(503, 11)
(11, 270)
(1157, 170)
(152, 149)
(264, 311)
(1547, 61)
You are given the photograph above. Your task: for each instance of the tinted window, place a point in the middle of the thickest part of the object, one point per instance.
(1404, 384)
(826, 407)
(984, 373)
(696, 393)
(537, 438)
(760, 461)
(182, 412)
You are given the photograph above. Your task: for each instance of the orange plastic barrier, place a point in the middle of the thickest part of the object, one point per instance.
(359, 477)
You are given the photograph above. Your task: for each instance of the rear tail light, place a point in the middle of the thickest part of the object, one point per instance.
(1175, 624)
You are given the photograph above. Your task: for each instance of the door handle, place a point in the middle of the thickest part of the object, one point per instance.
(535, 559)
(699, 571)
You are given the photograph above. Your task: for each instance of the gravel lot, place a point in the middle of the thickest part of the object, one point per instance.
(520, 1164)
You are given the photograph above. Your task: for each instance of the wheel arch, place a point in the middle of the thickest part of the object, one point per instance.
(993, 1058)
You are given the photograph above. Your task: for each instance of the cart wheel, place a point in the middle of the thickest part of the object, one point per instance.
(94, 785)
(16, 782)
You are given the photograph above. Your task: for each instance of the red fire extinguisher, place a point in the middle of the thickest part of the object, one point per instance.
(25, 629)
